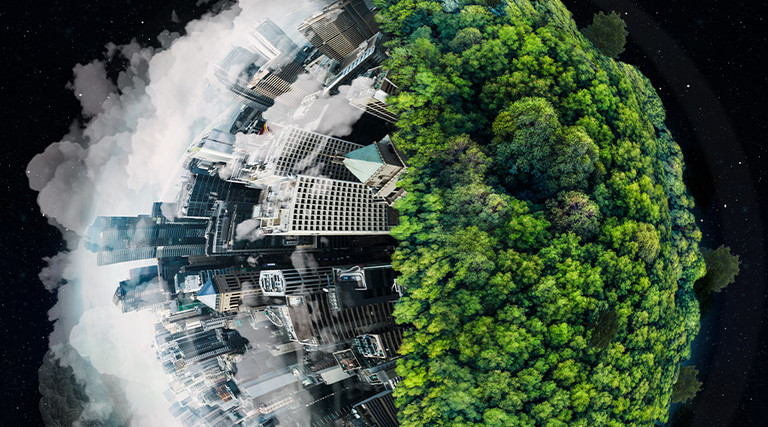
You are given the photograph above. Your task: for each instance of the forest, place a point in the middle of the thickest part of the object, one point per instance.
(546, 246)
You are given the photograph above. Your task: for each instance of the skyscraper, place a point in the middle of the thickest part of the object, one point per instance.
(271, 41)
(229, 233)
(122, 239)
(295, 151)
(141, 291)
(377, 411)
(259, 78)
(226, 296)
(379, 166)
(356, 302)
(368, 55)
(340, 28)
(307, 206)
(373, 99)
(189, 347)
(200, 191)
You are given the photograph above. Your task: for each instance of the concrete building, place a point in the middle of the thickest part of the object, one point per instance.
(340, 27)
(370, 54)
(122, 239)
(376, 411)
(358, 302)
(294, 151)
(270, 41)
(373, 98)
(142, 291)
(308, 206)
(200, 192)
(378, 166)
(182, 349)
(226, 296)
(258, 78)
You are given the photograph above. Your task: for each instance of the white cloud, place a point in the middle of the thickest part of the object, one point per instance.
(249, 230)
(52, 275)
(92, 87)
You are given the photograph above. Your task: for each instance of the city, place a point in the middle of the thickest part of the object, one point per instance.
(272, 287)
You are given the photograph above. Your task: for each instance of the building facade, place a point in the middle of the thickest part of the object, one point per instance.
(306, 206)
(340, 28)
(123, 239)
(295, 151)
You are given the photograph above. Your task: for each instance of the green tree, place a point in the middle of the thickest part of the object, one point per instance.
(687, 385)
(608, 33)
(722, 268)
(547, 251)
(574, 212)
(465, 39)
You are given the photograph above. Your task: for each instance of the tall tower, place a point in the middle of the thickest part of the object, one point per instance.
(189, 347)
(378, 166)
(340, 28)
(271, 41)
(295, 151)
(378, 410)
(142, 291)
(199, 193)
(122, 239)
(314, 206)
(257, 77)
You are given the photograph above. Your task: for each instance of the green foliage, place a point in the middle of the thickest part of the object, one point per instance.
(574, 212)
(608, 33)
(687, 385)
(722, 269)
(546, 246)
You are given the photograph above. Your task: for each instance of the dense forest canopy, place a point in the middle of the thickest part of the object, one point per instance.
(547, 249)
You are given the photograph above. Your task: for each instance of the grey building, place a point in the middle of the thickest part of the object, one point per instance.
(295, 151)
(122, 239)
(314, 206)
(340, 27)
(200, 192)
(378, 166)
(141, 291)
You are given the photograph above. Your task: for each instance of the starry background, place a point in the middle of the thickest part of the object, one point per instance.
(705, 58)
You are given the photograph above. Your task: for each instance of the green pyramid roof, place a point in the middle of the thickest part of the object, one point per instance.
(364, 162)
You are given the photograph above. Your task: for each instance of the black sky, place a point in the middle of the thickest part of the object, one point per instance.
(715, 46)
(41, 42)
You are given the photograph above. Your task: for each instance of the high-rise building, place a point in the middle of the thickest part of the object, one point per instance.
(258, 78)
(274, 79)
(370, 54)
(372, 98)
(294, 151)
(358, 302)
(340, 27)
(311, 320)
(189, 347)
(231, 234)
(200, 191)
(142, 291)
(122, 239)
(237, 69)
(271, 41)
(307, 206)
(378, 166)
(377, 411)
(226, 296)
